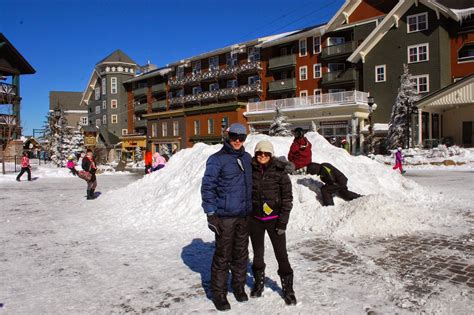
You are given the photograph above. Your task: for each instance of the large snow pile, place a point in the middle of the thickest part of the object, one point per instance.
(170, 198)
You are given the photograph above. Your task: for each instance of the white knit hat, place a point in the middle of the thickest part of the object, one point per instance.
(264, 146)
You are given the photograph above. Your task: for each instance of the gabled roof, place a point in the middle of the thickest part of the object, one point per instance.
(392, 19)
(67, 100)
(117, 56)
(14, 62)
(90, 88)
(456, 4)
(342, 15)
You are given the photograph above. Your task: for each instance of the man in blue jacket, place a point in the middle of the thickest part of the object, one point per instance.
(227, 199)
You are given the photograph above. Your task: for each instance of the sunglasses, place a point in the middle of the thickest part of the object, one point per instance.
(260, 153)
(236, 136)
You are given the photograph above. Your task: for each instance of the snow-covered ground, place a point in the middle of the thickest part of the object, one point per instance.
(143, 245)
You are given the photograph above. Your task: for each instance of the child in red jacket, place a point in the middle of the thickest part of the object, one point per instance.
(300, 151)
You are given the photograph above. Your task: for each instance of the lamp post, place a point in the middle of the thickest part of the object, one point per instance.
(223, 127)
(370, 102)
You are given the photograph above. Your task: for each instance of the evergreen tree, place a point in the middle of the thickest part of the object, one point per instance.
(398, 131)
(280, 126)
(138, 154)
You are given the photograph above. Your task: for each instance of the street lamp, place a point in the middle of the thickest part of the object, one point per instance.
(370, 102)
(223, 127)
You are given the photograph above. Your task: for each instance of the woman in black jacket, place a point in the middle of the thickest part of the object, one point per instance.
(272, 200)
(88, 164)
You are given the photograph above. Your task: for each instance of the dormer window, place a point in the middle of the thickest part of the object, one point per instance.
(417, 22)
(466, 53)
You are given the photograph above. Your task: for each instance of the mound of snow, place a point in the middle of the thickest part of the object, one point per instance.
(171, 196)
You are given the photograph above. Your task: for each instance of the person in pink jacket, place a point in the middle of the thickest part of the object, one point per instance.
(25, 167)
(399, 160)
(158, 162)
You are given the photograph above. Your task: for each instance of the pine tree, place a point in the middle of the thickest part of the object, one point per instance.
(280, 126)
(398, 131)
(138, 154)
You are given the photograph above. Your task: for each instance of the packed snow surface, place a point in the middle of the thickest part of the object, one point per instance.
(392, 204)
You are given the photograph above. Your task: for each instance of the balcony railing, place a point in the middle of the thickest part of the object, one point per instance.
(140, 123)
(141, 108)
(8, 89)
(336, 50)
(226, 72)
(339, 98)
(218, 94)
(340, 76)
(282, 85)
(160, 87)
(158, 105)
(140, 91)
(282, 62)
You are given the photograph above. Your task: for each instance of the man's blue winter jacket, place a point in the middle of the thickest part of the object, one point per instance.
(226, 186)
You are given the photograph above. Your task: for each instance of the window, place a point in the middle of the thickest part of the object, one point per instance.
(154, 130)
(113, 119)
(316, 44)
(422, 83)
(113, 103)
(180, 72)
(317, 70)
(104, 104)
(97, 122)
(104, 119)
(303, 73)
(214, 86)
(231, 58)
(104, 86)
(380, 73)
(333, 41)
(113, 85)
(164, 129)
(255, 79)
(335, 67)
(210, 126)
(124, 132)
(84, 121)
(304, 93)
(214, 63)
(303, 50)
(197, 127)
(317, 96)
(175, 128)
(253, 54)
(197, 90)
(417, 22)
(283, 51)
(97, 109)
(225, 122)
(197, 67)
(466, 53)
(97, 93)
(418, 53)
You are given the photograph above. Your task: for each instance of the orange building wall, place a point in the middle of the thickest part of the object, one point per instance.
(371, 8)
(464, 68)
(309, 60)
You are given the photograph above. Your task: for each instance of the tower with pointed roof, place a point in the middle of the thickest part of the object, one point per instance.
(106, 98)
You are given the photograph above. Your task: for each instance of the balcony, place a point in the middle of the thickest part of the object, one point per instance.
(347, 75)
(140, 123)
(250, 89)
(228, 72)
(141, 108)
(8, 93)
(158, 88)
(193, 98)
(140, 91)
(282, 85)
(313, 101)
(179, 100)
(282, 62)
(250, 67)
(158, 105)
(210, 75)
(209, 95)
(338, 50)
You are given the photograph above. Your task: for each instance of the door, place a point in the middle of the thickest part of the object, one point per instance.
(467, 133)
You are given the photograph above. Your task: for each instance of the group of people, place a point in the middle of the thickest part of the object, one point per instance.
(154, 162)
(244, 197)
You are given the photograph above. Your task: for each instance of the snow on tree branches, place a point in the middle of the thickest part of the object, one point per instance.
(280, 126)
(399, 125)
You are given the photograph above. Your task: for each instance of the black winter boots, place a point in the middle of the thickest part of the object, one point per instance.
(90, 194)
(240, 295)
(287, 287)
(221, 303)
(258, 285)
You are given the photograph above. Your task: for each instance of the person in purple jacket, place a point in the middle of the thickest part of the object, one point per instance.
(398, 160)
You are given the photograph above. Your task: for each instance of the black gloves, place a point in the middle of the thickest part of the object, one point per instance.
(213, 223)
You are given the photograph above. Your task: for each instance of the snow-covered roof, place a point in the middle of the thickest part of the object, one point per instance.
(464, 14)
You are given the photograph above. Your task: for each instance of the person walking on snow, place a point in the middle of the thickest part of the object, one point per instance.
(272, 201)
(158, 162)
(226, 193)
(88, 164)
(25, 167)
(399, 158)
(71, 165)
(335, 183)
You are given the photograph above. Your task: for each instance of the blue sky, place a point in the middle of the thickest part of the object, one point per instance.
(64, 39)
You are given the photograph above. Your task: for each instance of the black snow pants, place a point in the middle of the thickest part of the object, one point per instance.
(23, 170)
(257, 230)
(231, 253)
(328, 190)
